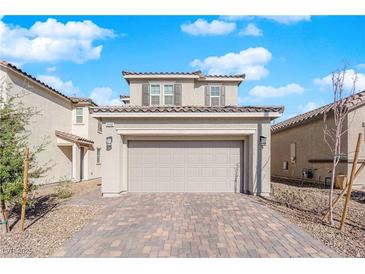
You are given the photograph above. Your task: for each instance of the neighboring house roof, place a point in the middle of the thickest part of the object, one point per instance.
(194, 74)
(82, 100)
(72, 137)
(185, 109)
(26, 75)
(351, 102)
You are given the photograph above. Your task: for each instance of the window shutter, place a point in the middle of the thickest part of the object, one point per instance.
(207, 96)
(145, 94)
(223, 96)
(178, 94)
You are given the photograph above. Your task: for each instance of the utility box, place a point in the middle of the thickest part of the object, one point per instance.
(341, 181)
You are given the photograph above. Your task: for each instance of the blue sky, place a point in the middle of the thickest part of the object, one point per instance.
(287, 59)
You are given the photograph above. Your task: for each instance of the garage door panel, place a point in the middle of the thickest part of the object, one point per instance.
(184, 166)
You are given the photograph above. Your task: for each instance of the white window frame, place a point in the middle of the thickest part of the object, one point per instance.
(171, 95)
(82, 115)
(215, 96)
(155, 84)
(98, 157)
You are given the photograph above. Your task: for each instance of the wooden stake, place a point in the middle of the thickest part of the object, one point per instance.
(349, 190)
(337, 199)
(25, 187)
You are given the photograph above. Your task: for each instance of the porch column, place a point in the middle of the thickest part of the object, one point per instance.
(75, 163)
(112, 159)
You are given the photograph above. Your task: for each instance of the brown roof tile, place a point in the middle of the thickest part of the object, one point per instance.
(82, 99)
(198, 73)
(152, 109)
(353, 101)
(73, 137)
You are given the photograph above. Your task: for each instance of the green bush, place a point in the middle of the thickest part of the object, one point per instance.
(64, 190)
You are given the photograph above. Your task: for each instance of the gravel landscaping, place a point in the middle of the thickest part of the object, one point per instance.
(50, 223)
(303, 205)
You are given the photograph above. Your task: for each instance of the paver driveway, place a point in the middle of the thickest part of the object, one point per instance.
(191, 225)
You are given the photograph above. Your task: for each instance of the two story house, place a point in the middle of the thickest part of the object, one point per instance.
(73, 137)
(184, 132)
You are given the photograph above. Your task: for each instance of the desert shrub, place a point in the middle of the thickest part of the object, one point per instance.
(64, 189)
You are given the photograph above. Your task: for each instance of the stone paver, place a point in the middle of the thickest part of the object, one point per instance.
(191, 225)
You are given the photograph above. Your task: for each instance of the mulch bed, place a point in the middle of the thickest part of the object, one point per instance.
(303, 205)
(49, 223)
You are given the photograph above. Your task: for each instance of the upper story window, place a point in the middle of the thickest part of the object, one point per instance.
(155, 94)
(100, 126)
(215, 95)
(79, 115)
(168, 91)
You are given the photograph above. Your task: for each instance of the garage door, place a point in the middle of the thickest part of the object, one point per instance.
(184, 166)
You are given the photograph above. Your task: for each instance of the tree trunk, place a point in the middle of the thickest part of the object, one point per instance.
(330, 203)
(4, 217)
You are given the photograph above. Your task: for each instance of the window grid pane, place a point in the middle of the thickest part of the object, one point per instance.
(79, 111)
(155, 100)
(215, 101)
(169, 100)
(169, 89)
(215, 91)
(155, 89)
(79, 119)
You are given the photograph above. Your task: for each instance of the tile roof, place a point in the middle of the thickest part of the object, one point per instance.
(196, 73)
(353, 101)
(11, 66)
(184, 109)
(82, 99)
(72, 99)
(73, 137)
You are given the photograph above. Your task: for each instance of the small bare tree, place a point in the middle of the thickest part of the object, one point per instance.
(333, 133)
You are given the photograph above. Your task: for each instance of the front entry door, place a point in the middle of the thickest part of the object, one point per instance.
(81, 163)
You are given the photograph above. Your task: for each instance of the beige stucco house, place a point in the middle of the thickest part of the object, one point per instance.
(299, 151)
(184, 132)
(73, 137)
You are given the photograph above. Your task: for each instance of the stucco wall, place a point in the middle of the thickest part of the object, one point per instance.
(54, 114)
(356, 118)
(257, 163)
(94, 169)
(310, 145)
(192, 91)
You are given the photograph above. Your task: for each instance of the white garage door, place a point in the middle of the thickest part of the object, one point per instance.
(184, 166)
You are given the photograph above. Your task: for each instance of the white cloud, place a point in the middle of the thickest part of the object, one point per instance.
(51, 69)
(104, 96)
(250, 61)
(251, 30)
(287, 20)
(272, 92)
(361, 66)
(52, 41)
(202, 27)
(325, 83)
(66, 87)
(308, 107)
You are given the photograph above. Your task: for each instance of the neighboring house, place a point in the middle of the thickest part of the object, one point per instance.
(299, 150)
(183, 132)
(74, 137)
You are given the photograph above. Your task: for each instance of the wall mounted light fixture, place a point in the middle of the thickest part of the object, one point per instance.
(262, 140)
(109, 141)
